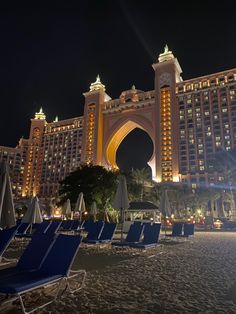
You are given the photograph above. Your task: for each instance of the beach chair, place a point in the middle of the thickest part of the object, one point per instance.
(76, 225)
(22, 229)
(40, 228)
(177, 230)
(66, 225)
(6, 236)
(33, 255)
(133, 236)
(150, 237)
(95, 231)
(54, 269)
(188, 229)
(88, 225)
(105, 236)
(53, 227)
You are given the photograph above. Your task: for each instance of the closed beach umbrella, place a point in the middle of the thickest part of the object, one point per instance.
(93, 210)
(66, 208)
(121, 201)
(80, 205)
(33, 214)
(7, 212)
(165, 207)
(165, 204)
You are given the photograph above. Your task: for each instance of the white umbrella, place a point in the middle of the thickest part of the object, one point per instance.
(66, 208)
(33, 213)
(121, 201)
(80, 205)
(7, 212)
(165, 206)
(93, 210)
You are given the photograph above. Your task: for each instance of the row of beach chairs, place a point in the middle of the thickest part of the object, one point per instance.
(182, 230)
(38, 267)
(141, 236)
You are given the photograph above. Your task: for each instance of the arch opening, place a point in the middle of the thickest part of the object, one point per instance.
(135, 151)
(141, 136)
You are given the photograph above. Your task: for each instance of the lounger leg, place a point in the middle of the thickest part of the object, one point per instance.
(73, 274)
(40, 306)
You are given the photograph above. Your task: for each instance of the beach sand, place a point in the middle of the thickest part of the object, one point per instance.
(195, 275)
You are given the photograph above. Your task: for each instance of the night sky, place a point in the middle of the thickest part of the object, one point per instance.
(50, 55)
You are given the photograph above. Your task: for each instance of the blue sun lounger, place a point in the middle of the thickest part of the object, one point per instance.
(22, 229)
(94, 231)
(133, 236)
(54, 269)
(105, 236)
(188, 229)
(150, 236)
(32, 257)
(53, 227)
(177, 230)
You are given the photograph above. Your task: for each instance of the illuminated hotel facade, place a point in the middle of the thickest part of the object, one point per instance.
(188, 121)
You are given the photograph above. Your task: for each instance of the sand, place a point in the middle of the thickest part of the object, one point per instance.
(196, 275)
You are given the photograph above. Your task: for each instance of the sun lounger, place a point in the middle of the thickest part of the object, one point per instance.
(177, 230)
(6, 236)
(66, 225)
(95, 231)
(53, 227)
(188, 229)
(40, 228)
(33, 255)
(54, 269)
(22, 229)
(150, 237)
(105, 236)
(133, 236)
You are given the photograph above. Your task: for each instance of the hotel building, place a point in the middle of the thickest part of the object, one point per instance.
(187, 120)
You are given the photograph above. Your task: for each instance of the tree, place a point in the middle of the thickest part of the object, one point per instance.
(142, 178)
(97, 184)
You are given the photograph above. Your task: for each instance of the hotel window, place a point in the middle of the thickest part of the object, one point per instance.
(224, 109)
(206, 113)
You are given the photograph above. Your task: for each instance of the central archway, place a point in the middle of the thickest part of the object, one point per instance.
(116, 139)
(135, 151)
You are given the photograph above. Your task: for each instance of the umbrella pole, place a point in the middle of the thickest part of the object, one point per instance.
(122, 224)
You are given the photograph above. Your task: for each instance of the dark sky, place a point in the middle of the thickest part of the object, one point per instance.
(51, 53)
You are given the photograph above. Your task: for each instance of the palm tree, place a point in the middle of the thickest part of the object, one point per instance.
(142, 177)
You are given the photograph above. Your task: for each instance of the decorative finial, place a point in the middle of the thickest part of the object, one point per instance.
(40, 115)
(166, 55)
(97, 85)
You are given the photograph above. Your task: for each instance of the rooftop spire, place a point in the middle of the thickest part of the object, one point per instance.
(40, 115)
(97, 85)
(166, 55)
